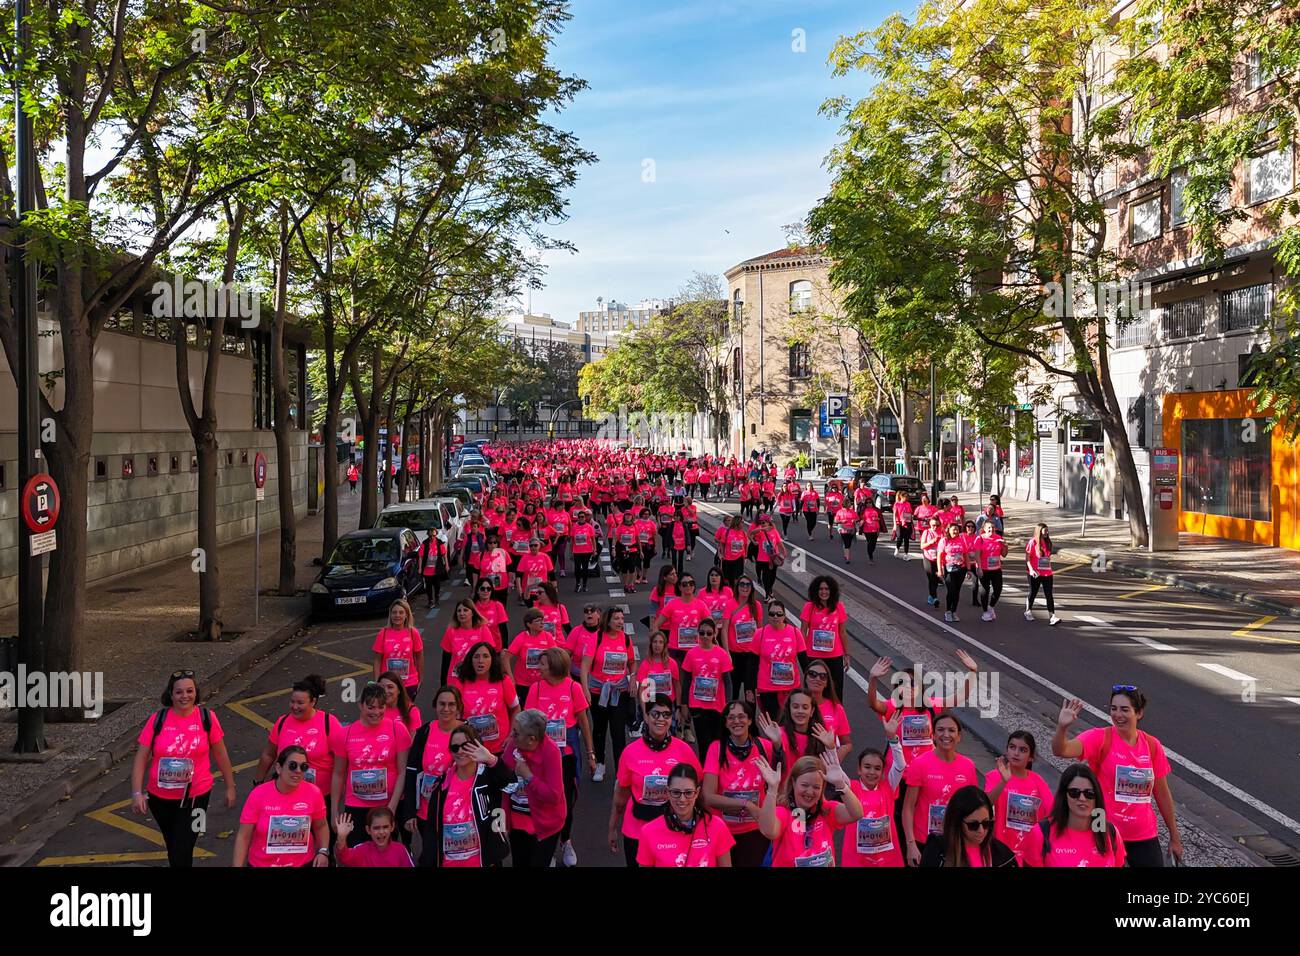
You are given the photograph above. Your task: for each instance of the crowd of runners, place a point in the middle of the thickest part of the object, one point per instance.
(726, 743)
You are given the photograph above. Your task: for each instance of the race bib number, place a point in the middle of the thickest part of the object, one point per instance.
(823, 640)
(915, 730)
(705, 689)
(741, 815)
(532, 582)
(953, 564)
(627, 539)
(475, 547)
(558, 731)
(533, 659)
(286, 834)
(459, 841)
(873, 835)
(935, 818)
(486, 725)
(371, 784)
(644, 537)
(1044, 562)
(581, 539)
(782, 673)
(310, 775)
(716, 614)
(688, 636)
(995, 562)
(823, 859)
(654, 789)
(557, 527)
(615, 663)
(744, 631)
(548, 627)
(425, 785)
(1022, 811)
(399, 666)
(663, 682)
(1134, 784)
(175, 773)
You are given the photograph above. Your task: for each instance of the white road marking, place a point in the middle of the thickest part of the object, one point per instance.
(611, 579)
(1156, 645)
(1094, 621)
(1227, 672)
(1207, 775)
(618, 593)
(1293, 700)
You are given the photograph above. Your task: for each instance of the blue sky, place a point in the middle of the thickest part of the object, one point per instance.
(715, 95)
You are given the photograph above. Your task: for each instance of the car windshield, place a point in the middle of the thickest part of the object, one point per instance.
(357, 552)
(907, 484)
(417, 519)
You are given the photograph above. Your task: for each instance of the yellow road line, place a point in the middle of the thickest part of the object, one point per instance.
(1141, 591)
(1072, 567)
(239, 708)
(338, 657)
(91, 858)
(1245, 631)
(363, 669)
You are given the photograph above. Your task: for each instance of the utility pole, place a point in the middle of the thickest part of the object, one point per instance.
(31, 597)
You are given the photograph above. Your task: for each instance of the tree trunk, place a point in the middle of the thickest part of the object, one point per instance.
(329, 435)
(406, 450)
(437, 437)
(369, 418)
(283, 448)
(1112, 421)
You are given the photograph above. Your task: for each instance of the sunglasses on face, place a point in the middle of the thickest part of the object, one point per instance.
(1078, 793)
(681, 794)
(456, 748)
(293, 766)
(660, 715)
(819, 675)
(974, 825)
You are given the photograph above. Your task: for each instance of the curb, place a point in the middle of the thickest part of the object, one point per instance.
(103, 760)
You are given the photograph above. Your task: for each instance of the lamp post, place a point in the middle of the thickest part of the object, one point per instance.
(556, 412)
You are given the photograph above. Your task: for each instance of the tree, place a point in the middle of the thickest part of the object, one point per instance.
(969, 181)
(1176, 96)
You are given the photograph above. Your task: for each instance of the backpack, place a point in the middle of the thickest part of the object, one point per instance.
(160, 718)
(279, 724)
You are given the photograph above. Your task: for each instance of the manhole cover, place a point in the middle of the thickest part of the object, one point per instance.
(125, 590)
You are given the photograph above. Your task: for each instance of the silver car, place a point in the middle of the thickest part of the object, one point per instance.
(424, 518)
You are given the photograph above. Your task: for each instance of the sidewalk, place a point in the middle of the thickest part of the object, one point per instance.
(131, 624)
(1252, 574)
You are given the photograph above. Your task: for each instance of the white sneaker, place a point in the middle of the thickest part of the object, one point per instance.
(947, 615)
(1053, 620)
(569, 856)
(955, 617)
(993, 615)
(1029, 615)
(599, 775)
(986, 616)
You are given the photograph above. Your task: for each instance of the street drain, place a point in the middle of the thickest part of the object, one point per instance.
(1283, 859)
(1274, 851)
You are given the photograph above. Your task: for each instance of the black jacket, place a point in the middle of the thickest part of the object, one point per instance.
(494, 841)
(932, 855)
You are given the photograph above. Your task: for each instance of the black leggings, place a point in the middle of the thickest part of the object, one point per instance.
(745, 673)
(708, 728)
(1045, 582)
(630, 847)
(952, 588)
(811, 518)
(569, 764)
(766, 575)
(176, 821)
(931, 577)
(582, 567)
(731, 570)
(905, 538)
(846, 539)
(785, 524)
(750, 849)
(1144, 853)
(991, 589)
(602, 720)
(679, 561)
(871, 537)
(769, 702)
(528, 852)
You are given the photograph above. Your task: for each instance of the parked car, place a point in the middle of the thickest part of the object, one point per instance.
(367, 571)
(888, 486)
(424, 517)
(475, 483)
(478, 471)
(457, 514)
(849, 472)
(464, 495)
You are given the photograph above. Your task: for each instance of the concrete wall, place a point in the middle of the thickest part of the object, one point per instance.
(144, 520)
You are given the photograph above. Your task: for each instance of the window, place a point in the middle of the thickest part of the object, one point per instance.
(800, 360)
(1178, 209)
(1144, 220)
(1244, 377)
(1269, 175)
(1085, 436)
(152, 467)
(735, 368)
(1246, 308)
(1256, 73)
(101, 469)
(800, 296)
(175, 464)
(889, 427)
(128, 466)
(1227, 467)
(800, 424)
(1183, 320)
(1137, 332)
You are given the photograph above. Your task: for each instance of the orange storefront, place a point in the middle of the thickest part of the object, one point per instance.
(1237, 479)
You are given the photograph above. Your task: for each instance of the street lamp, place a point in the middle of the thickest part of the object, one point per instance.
(556, 412)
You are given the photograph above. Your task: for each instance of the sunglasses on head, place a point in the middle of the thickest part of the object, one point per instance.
(1079, 793)
(177, 675)
(1122, 688)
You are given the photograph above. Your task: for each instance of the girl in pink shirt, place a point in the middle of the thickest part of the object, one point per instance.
(931, 539)
(370, 768)
(1038, 563)
(398, 703)
(820, 687)
(870, 522)
(308, 727)
(932, 779)
(525, 654)
(496, 568)
(1066, 838)
(824, 619)
(733, 785)
(779, 646)
(687, 834)
(743, 622)
(807, 841)
(718, 597)
(707, 685)
(658, 668)
(665, 589)
(492, 611)
(398, 647)
(874, 839)
(491, 700)
(903, 521)
(555, 616)
(1021, 798)
(427, 763)
(845, 521)
(991, 549)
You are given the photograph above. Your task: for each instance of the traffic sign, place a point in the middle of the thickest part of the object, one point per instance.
(259, 475)
(1023, 408)
(979, 446)
(40, 503)
(457, 441)
(1089, 459)
(873, 434)
(43, 542)
(837, 409)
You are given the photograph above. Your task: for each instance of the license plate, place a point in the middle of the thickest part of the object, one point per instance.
(351, 600)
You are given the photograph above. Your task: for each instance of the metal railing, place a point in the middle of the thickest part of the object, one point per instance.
(1245, 308)
(1183, 320)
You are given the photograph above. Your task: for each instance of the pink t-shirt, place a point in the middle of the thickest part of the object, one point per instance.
(460, 841)
(835, 719)
(720, 604)
(683, 622)
(458, 640)
(527, 649)
(533, 570)
(1020, 805)
(778, 657)
(493, 612)
(813, 845)
(646, 771)
(936, 781)
(846, 521)
(368, 854)
(742, 628)
(555, 618)
(1128, 780)
(179, 756)
(664, 675)
(990, 552)
(434, 763)
(1071, 848)
(584, 537)
(487, 708)
(706, 669)
(661, 846)
(370, 761)
(577, 644)
(282, 824)
(872, 840)
(561, 703)
(916, 732)
(824, 629)
(398, 648)
(739, 780)
(310, 735)
(610, 655)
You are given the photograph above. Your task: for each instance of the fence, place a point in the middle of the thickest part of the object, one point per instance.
(508, 427)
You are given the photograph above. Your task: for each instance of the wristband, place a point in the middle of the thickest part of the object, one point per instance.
(137, 793)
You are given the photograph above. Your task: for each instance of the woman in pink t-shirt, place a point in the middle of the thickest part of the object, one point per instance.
(492, 611)
(1021, 798)
(817, 682)
(688, 834)
(802, 829)
(491, 700)
(658, 673)
(555, 616)
(466, 805)
(1133, 770)
(967, 838)
(779, 645)
(370, 766)
(874, 840)
(398, 647)
(824, 620)
(1067, 838)
(534, 568)
(742, 622)
(427, 761)
(283, 822)
(309, 727)
(733, 785)
(568, 723)
(932, 778)
(468, 627)
(524, 657)
(706, 685)
(177, 745)
(1038, 566)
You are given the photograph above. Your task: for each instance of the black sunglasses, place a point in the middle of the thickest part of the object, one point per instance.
(1077, 793)
(293, 766)
(977, 824)
(456, 748)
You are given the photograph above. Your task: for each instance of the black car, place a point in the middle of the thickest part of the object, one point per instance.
(476, 485)
(367, 571)
(887, 487)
